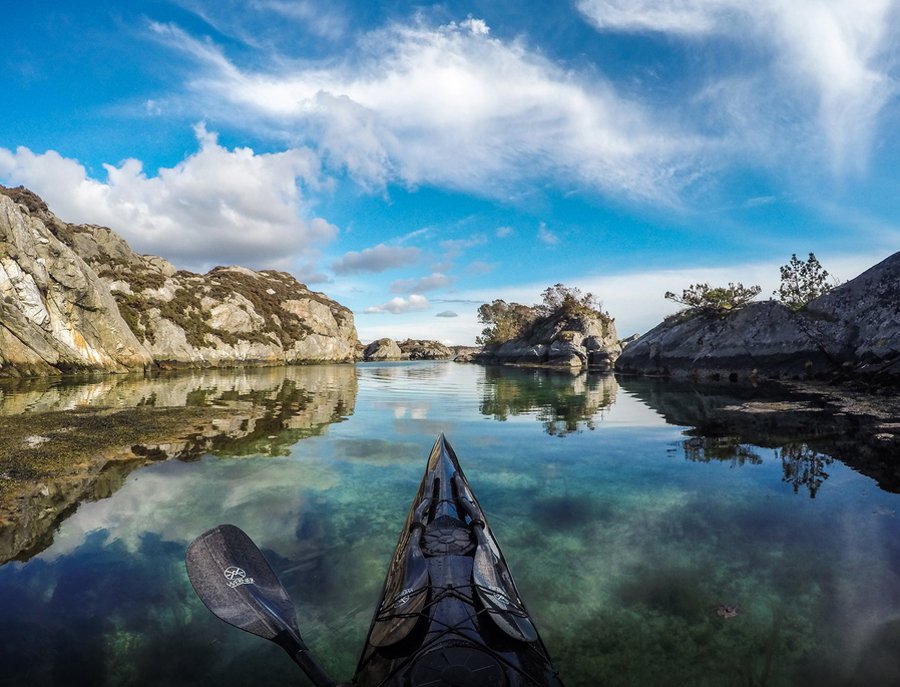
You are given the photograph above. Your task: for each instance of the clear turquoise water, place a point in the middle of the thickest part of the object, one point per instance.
(625, 535)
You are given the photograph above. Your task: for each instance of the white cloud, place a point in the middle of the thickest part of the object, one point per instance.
(450, 106)
(317, 17)
(670, 16)
(503, 232)
(447, 313)
(376, 259)
(436, 280)
(546, 236)
(398, 305)
(217, 206)
(830, 61)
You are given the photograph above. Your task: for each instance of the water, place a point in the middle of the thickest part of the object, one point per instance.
(634, 516)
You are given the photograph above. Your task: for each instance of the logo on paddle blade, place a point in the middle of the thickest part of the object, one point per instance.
(236, 576)
(404, 597)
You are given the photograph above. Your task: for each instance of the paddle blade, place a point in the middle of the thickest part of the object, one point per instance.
(501, 606)
(397, 617)
(232, 577)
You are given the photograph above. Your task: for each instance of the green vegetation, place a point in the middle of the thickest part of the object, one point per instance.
(508, 321)
(718, 300)
(266, 291)
(802, 281)
(547, 396)
(505, 321)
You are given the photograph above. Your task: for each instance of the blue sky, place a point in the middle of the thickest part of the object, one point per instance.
(413, 161)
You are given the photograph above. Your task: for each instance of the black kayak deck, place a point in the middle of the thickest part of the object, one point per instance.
(450, 614)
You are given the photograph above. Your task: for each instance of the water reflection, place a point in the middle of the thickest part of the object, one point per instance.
(804, 467)
(65, 443)
(805, 431)
(623, 549)
(561, 402)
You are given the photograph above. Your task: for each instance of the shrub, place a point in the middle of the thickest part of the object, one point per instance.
(802, 281)
(509, 321)
(718, 300)
(505, 321)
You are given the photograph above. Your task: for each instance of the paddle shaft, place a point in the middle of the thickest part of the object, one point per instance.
(299, 653)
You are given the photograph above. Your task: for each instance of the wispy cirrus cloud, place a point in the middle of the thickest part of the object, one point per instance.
(825, 69)
(481, 267)
(450, 106)
(217, 206)
(546, 236)
(376, 259)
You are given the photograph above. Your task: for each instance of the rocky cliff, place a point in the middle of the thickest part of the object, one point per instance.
(56, 314)
(852, 332)
(564, 340)
(76, 297)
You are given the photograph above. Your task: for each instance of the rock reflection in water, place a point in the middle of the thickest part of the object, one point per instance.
(562, 402)
(68, 443)
(806, 429)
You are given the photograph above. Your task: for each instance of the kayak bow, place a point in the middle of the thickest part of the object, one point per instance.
(450, 613)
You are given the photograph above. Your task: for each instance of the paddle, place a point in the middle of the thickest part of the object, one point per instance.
(399, 611)
(497, 594)
(232, 577)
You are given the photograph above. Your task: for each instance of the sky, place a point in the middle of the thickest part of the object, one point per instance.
(413, 161)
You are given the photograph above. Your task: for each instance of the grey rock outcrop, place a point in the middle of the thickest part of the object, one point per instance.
(562, 341)
(56, 314)
(383, 349)
(416, 349)
(76, 297)
(851, 332)
(465, 354)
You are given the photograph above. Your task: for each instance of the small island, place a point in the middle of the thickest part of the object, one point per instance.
(848, 333)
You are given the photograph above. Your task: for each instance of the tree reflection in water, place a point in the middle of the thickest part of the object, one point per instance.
(804, 466)
(730, 448)
(564, 403)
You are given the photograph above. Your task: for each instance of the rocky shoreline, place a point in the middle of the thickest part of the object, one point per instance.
(860, 429)
(850, 334)
(75, 299)
(69, 443)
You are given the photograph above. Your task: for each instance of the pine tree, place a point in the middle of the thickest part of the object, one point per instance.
(802, 281)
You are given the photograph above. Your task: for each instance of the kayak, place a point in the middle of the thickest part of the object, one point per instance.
(449, 614)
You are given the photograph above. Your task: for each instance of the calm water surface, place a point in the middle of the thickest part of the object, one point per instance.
(629, 516)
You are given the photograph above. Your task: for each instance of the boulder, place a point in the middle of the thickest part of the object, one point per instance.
(853, 331)
(564, 341)
(383, 349)
(465, 354)
(417, 349)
